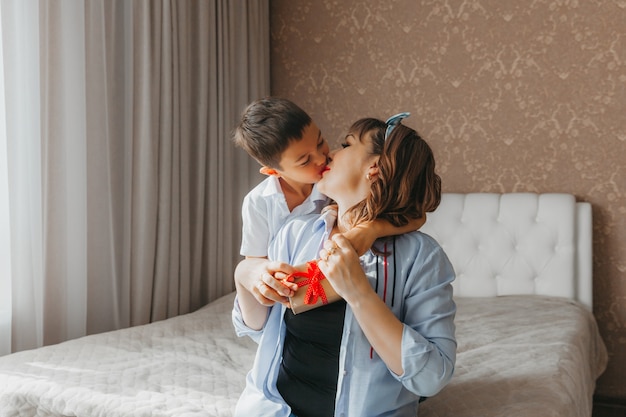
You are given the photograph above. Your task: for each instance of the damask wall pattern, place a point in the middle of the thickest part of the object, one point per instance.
(512, 95)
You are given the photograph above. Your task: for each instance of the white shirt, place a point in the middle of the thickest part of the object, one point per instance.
(417, 288)
(265, 210)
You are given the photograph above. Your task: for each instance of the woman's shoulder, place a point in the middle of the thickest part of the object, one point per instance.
(417, 238)
(298, 237)
(417, 244)
(298, 229)
(301, 224)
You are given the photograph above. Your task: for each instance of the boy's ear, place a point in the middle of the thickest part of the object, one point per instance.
(268, 171)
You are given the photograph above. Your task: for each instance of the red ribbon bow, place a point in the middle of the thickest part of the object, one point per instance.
(314, 281)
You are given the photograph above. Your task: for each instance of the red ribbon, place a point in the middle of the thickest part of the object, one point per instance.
(313, 279)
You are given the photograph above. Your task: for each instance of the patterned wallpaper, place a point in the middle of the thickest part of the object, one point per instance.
(512, 96)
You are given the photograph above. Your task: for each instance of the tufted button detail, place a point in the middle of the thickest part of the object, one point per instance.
(503, 243)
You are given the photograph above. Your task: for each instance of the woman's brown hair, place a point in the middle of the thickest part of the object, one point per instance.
(407, 186)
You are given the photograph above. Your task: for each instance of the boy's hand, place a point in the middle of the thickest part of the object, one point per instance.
(262, 279)
(330, 207)
(273, 285)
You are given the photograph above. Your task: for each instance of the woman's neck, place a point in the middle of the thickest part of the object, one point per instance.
(342, 224)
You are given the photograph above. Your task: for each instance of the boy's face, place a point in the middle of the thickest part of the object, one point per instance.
(346, 181)
(305, 160)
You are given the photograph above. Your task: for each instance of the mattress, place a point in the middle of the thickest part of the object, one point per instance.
(522, 356)
(517, 356)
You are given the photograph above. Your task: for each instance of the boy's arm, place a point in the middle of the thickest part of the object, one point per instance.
(362, 237)
(259, 285)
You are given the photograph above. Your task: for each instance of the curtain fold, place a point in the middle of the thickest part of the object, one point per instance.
(125, 199)
(6, 302)
(107, 53)
(22, 106)
(64, 169)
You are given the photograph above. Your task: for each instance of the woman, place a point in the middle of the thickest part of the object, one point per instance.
(391, 339)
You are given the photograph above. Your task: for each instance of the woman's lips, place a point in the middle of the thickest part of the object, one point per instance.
(326, 168)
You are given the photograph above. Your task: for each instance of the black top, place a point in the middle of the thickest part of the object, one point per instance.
(308, 374)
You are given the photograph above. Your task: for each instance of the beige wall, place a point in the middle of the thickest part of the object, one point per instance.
(512, 96)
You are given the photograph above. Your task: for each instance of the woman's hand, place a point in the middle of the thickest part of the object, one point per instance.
(339, 262)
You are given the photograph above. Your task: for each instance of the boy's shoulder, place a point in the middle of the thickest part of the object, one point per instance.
(270, 186)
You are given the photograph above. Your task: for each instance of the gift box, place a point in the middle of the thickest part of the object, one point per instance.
(314, 290)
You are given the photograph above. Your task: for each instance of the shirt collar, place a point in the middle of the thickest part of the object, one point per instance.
(273, 187)
(326, 220)
(316, 195)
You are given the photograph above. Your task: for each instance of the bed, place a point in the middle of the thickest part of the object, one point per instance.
(528, 344)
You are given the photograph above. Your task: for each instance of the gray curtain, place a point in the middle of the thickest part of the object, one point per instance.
(200, 63)
(140, 184)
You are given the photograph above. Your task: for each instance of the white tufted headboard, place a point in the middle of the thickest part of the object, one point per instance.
(517, 243)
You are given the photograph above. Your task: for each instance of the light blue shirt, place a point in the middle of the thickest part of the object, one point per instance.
(264, 211)
(416, 287)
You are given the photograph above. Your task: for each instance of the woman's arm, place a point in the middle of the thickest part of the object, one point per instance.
(379, 324)
(421, 348)
(381, 327)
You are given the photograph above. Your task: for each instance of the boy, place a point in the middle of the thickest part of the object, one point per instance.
(293, 154)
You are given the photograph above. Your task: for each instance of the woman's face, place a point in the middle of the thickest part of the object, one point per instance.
(345, 178)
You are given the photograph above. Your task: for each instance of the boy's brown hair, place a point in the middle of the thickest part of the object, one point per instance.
(266, 128)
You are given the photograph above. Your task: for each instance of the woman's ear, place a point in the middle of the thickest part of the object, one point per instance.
(372, 171)
(268, 171)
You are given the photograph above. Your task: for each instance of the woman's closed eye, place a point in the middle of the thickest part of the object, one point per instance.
(346, 142)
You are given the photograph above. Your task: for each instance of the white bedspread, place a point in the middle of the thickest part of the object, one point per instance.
(191, 365)
(518, 356)
(522, 356)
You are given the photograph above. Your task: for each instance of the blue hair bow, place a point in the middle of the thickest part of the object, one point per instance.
(393, 121)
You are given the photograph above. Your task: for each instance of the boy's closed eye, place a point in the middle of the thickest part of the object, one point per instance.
(320, 144)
